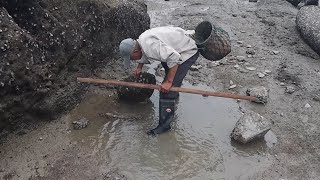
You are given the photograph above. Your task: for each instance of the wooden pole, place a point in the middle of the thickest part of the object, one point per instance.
(175, 89)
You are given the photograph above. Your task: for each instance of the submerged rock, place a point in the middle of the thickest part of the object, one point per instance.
(137, 94)
(250, 127)
(80, 124)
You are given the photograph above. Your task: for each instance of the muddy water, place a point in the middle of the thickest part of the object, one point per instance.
(198, 147)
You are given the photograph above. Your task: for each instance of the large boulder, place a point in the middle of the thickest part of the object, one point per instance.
(308, 23)
(45, 45)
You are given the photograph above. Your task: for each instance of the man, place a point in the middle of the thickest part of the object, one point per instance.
(176, 51)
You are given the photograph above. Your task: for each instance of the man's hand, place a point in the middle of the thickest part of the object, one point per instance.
(165, 86)
(138, 71)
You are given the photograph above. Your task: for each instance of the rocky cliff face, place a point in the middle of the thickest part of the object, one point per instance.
(46, 44)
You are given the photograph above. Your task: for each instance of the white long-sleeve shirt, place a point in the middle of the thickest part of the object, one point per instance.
(166, 44)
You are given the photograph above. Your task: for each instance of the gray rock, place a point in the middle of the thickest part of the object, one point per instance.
(195, 67)
(250, 127)
(316, 97)
(290, 89)
(308, 23)
(261, 75)
(250, 68)
(80, 124)
(260, 92)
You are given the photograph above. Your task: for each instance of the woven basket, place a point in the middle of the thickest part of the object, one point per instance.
(213, 42)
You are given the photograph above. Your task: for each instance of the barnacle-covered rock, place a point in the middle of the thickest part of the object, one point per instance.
(137, 94)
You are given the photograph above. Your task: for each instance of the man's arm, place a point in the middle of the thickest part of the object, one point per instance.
(167, 84)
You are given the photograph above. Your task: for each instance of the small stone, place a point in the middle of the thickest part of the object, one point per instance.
(261, 75)
(249, 56)
(231, 82)
(290, 89)
(250, 68)
(260, 92)
(40, 138)
(195, 67)
(307, 105)
(275, 52)
(251, 52)
(233, 86)
(267, 71)
(249, 46)
(282, 84)
(281, 114)
(241, 58)
(243, 31)
(80, 124)
(316, 98)
(240, 42)
(234, 15)
(242, 70)
(236, 66)
(213, 64)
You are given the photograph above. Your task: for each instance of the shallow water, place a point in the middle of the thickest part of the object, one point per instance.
(198, 146)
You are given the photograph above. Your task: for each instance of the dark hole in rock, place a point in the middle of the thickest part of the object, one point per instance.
(137, 94)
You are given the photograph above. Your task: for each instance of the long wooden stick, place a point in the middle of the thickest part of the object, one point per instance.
(175, 89)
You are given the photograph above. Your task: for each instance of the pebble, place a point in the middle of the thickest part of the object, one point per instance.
(250, 56)
(275, 52)
(233, 86)
(252, 52)
(236, 66)
(282, 84)
(242, 70)
(261, 75)
(290, 89)
(249, 46)
(240, 42)
(195, 67)
(231, 82)
(267, 71)
(213, 64)
(40, 138)
(307, 105)
(241, 58)
(250, 68)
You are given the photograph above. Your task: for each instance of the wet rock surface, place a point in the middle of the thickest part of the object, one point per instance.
(80, 124)
(137, 94)
(45, 45)
(250, 126)
(308, 24)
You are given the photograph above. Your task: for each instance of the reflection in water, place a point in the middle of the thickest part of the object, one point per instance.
(198, 147)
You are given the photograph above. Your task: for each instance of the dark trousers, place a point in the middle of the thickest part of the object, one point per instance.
(180, 75)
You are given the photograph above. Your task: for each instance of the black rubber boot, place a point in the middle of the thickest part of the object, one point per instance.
(166, 113)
